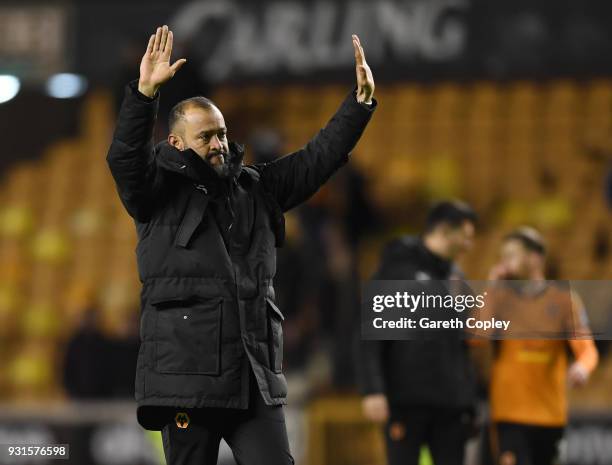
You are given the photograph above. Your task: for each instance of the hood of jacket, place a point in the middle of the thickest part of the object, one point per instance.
(189, 164)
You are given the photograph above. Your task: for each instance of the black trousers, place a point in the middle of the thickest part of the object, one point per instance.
(257, 435)
(519, 444)
(444, 430)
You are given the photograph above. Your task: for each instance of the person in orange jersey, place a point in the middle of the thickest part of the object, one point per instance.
(529, 377)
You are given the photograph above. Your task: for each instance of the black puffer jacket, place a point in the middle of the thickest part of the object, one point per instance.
(207, 309)
(434, 372)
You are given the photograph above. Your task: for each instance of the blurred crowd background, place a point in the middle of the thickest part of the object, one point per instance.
(505, 104)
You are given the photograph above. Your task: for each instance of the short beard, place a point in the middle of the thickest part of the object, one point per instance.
(232, 162)
(226, 170)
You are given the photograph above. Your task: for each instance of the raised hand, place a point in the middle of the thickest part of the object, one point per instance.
(498, 272)
(365, 80)
(155, 68)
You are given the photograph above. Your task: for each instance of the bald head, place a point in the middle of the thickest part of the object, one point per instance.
(178, 111)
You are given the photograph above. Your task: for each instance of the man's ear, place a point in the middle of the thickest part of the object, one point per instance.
(176, 141)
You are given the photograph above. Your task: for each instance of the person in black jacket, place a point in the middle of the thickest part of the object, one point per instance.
(422, 389)
(210, 359)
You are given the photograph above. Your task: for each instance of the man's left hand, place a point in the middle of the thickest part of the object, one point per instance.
(365, 80)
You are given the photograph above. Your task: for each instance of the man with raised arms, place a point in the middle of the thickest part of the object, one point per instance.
(210, 360)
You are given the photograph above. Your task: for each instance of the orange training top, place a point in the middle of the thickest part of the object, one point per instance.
(529, 376)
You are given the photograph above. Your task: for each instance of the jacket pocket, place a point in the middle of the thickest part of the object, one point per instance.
(275, 336)
(188, 336)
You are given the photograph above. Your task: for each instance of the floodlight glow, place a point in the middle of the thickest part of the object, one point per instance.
(66, 85)
(9, 87)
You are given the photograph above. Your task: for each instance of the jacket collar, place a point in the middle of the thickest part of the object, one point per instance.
(189, 164)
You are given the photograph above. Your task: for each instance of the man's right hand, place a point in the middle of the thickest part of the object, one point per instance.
(155, 66)
(375, 407)
(498, 272)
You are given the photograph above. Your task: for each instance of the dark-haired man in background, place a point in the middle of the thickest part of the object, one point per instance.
(210, 359)
(422, 390)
